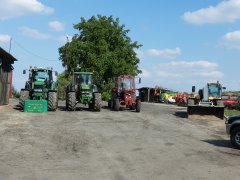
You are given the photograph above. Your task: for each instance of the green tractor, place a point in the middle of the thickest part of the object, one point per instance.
(82, 90)
(39, 87)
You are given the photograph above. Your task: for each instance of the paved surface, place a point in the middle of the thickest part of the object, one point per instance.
(158, 143)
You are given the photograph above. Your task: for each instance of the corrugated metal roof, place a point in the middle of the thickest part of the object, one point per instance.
(6, 56)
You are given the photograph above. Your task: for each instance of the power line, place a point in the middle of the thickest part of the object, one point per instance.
(31, 53)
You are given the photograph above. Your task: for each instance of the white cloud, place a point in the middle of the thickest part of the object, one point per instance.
(15, 8)
(231, 40)
(189, 69)
(224, 12)
(4, 38)
(145, 73)
(34, 33)
(56, 25)
(165, 53)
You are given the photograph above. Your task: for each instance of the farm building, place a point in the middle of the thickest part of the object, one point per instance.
(148, 94)
(6, 68)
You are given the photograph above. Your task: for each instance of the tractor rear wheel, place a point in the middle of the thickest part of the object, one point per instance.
(24, 95)
(97, 99)
(138, 105)
(52, 101)
(71, 101)
(116, 104)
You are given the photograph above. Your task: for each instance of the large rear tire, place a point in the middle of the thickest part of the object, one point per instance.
(138, 105)
(24, 95)
(116, 105)
(97, 101)
(71, 101)
(52, 101)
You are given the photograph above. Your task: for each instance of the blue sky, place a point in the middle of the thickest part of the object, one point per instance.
(184, 42)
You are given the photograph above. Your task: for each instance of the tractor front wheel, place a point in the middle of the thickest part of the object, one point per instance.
(138, 105)
(24, 95)
(97, 101)
(52, 101)
(71, 101)
(116, 105)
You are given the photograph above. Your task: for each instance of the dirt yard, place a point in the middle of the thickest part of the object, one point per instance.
(158, 143)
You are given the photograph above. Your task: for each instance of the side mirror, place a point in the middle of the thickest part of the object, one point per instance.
(193, 89)
(24, 71)
(224, 88)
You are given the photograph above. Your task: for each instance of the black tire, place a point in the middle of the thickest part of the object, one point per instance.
(97, 101)
(235, 137)
(52, 101)
(138, 105)
(24, 95)
(116, 105)
(190, 102)
(71, 101)
(66, 102)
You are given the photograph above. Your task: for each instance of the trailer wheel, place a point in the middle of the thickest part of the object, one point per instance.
(138, 105)
(235, 137)
(116, 105)
(24, 95)
(52, 101)
(71, 101)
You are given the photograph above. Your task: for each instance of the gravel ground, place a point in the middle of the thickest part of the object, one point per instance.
(158, 143)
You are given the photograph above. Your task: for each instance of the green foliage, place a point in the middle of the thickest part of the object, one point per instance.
(63, 80)
(231, 93)
(231, 112)
(15, 92)
(103, 47)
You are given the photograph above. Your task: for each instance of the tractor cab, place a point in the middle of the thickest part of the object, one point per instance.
(82, 78)
(125, 83)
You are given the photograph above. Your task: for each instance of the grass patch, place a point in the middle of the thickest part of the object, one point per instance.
(231, 112)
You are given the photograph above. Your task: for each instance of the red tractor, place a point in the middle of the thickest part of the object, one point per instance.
(124, 94)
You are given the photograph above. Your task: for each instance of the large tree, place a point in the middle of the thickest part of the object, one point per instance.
(101, 46)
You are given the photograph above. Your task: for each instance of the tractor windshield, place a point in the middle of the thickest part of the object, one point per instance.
(125, 83)
(83, 79)
(214, 90)
(41, 74)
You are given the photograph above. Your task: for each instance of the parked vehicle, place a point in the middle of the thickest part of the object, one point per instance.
(233, 128)
(208, 101)
(230, 101)
(82, 90)
(39, 88)
(124, 94)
